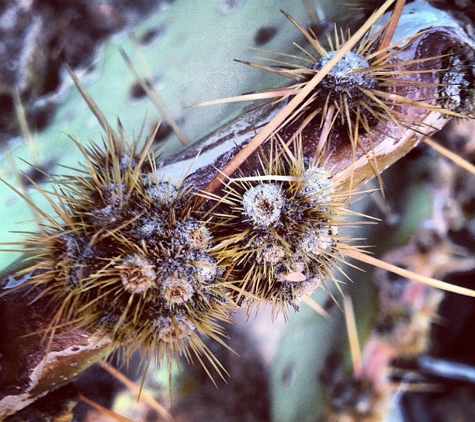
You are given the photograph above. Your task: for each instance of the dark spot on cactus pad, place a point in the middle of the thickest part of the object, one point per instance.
(163, 132)
(264, 34)
(36, 174)
(136, 91)
(151, 35)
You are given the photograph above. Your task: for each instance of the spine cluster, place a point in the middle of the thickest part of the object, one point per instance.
(373, 87)
(278, 232)
(130, 254)
(127, 257)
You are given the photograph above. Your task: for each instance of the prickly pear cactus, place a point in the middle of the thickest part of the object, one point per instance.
(185, 53)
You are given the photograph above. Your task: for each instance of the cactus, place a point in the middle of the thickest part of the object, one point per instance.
(295, 392)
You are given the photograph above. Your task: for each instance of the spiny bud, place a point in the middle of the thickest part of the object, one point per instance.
(346, 75)
(278, 233)
(373, 88)
(125, 257)
(263, 204)
(137, 273)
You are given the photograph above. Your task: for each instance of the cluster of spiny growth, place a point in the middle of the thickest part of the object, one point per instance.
(367, 87)
(130, 255)
(133, 257)
(277, 233)
(127, 257)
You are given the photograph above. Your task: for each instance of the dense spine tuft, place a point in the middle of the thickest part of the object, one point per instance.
(126, 257)
(278, 233)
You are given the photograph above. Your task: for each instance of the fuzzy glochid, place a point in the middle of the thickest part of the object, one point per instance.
(124, 256)
(278, 233)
